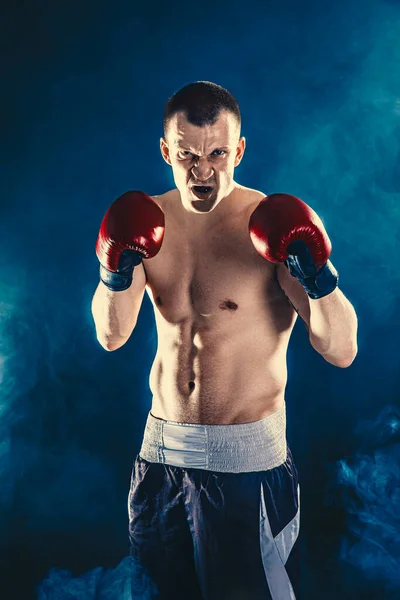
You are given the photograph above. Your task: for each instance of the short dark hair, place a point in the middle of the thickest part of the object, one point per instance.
(201, 102)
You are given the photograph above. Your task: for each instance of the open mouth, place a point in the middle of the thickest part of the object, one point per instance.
(202, 191)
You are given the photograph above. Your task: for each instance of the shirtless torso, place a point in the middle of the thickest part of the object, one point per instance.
(223, 321)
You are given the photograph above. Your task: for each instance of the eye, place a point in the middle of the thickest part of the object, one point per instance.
(218, 153)
(185, 153)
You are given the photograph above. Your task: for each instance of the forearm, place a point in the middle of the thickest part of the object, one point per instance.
(333, 328)
(115, 313)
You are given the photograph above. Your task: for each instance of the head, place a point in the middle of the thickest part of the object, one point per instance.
(202, 143)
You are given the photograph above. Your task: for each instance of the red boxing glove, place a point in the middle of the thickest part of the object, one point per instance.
(281, 219)
(132, 229)
(285, 229)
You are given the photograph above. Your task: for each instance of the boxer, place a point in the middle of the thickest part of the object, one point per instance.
(214, 496)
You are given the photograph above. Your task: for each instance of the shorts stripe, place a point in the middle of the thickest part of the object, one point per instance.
(286, 539)
(275, 552)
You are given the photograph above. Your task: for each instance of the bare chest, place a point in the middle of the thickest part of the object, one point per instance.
(206, 274)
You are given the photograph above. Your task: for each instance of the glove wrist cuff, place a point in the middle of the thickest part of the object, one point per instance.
(324, 283)
(116, 282)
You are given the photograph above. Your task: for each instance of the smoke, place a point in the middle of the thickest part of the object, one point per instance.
(99, 584)
(368, 489)
(343, 159)
(17, 376)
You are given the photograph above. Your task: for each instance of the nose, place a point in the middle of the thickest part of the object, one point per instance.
(202, 170)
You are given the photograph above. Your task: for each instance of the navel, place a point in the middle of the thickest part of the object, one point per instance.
(228, 305)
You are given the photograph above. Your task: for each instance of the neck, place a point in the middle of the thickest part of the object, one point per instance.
(225, 206)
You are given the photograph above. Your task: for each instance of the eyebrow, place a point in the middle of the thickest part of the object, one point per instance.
(179, 145)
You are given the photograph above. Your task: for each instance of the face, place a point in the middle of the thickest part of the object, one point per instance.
(203, 159)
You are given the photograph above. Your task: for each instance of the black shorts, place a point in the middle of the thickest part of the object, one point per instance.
(203, 535)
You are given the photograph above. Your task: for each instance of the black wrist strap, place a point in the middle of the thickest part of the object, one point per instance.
(116, 282)
(324, 282)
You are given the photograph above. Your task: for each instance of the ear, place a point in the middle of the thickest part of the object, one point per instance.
(165, 150)
(240, 151)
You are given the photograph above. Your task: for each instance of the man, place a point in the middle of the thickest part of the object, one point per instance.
(213, 504)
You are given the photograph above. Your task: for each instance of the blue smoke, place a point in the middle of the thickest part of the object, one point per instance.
(368, 489)
(99, 583)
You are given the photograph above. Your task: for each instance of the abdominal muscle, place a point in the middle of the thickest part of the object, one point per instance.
(223, 322)
(208, 377)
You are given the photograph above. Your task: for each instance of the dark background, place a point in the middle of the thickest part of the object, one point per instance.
(83, 90)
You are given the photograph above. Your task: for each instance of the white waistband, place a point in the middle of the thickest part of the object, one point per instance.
(246, 447)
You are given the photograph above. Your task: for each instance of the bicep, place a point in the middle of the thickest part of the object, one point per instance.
(294, 292)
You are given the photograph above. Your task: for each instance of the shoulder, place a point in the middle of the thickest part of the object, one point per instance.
(163, 200)
(249, 198)
(250, 193)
